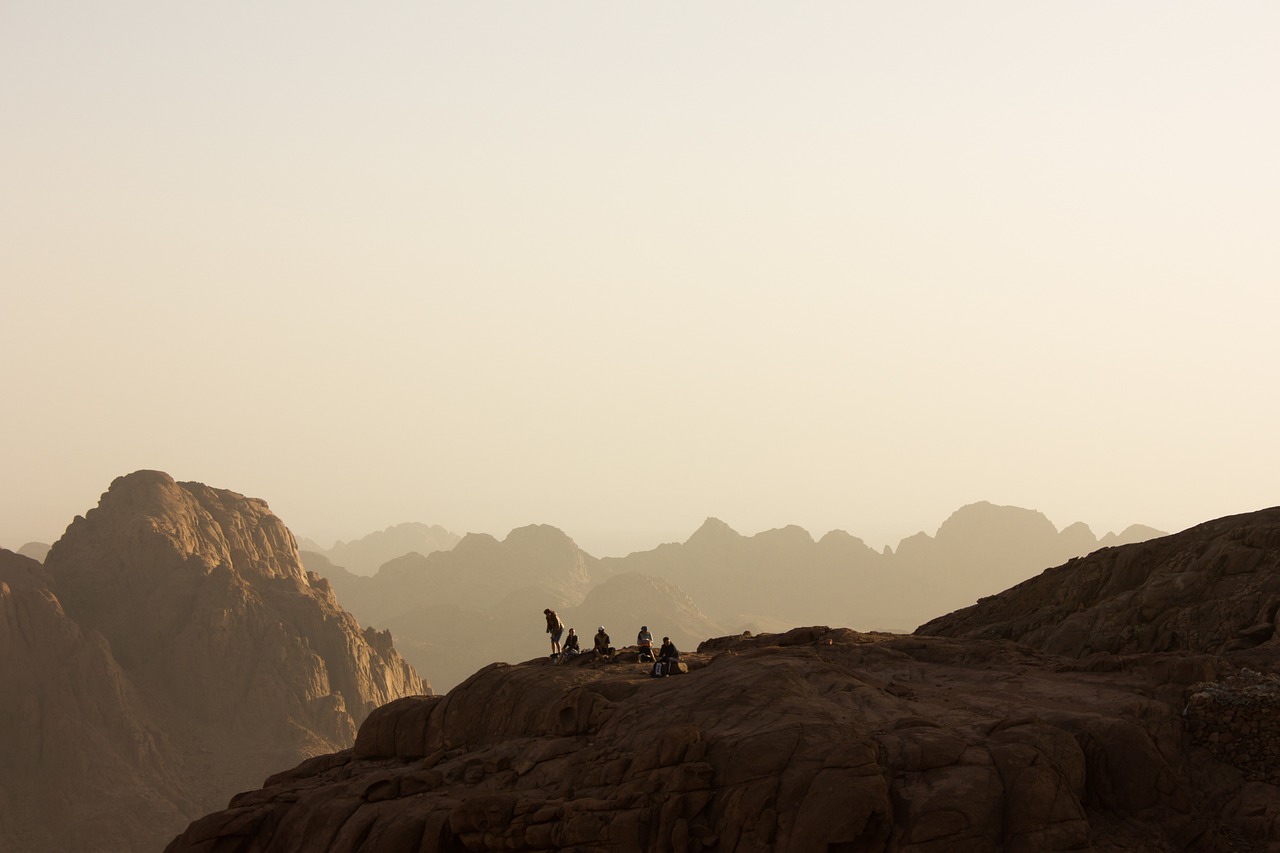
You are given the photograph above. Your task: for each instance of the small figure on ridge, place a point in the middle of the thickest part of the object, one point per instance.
(602, 647)
(644, 641)
(571, 645)
(555, 628)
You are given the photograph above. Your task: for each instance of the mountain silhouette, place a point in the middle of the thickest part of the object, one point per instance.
(455, 611)
(364, 556)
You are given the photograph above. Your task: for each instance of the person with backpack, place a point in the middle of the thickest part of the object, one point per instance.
(644, 641)
(668, 657)
(555, 628)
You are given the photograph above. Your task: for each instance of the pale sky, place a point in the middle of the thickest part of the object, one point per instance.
(619, 267)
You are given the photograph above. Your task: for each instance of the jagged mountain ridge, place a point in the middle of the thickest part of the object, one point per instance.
(173, 649)
(364, 556)
(453, 612)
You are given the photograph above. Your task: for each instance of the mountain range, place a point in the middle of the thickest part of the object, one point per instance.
(173, 649)
(364, 556)
(457, 610)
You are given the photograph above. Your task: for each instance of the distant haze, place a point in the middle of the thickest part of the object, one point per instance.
(617, 269)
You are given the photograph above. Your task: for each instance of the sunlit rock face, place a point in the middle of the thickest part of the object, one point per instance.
(202, 596)
(171, 651)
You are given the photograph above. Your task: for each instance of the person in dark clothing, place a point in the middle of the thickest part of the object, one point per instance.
(602, 643)
(571, 645)
(555, 628)
(668, 658)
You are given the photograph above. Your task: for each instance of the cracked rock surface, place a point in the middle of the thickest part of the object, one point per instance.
(816, 739)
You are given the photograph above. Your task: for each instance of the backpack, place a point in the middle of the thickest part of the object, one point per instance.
(659, 669)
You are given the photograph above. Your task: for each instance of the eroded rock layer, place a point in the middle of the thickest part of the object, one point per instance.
(816, 740)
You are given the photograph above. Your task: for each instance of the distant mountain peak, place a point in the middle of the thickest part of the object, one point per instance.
(538, 535)
(714, 530)
(365, 555)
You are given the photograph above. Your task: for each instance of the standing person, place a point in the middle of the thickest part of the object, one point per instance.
(644, 640)
(555, 628)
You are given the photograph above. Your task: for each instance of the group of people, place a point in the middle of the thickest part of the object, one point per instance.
(667, 653)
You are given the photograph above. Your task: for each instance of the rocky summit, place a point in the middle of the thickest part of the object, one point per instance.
(170, 651)
(1124, 701)
(1213, 589)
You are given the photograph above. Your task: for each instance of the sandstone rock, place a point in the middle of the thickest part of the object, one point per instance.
(814, 740)
(171, 651)
(82, 766)
(1214, 588)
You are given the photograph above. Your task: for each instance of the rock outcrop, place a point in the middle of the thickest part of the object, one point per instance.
(171, 650)
(1213, 588)
(812, 740)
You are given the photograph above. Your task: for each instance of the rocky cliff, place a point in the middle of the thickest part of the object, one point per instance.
(171, 650)
(83, 765)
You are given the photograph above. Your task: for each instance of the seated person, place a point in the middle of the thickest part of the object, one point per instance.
(668, 652)
(602, 643)
(644, 642)
(571, 647)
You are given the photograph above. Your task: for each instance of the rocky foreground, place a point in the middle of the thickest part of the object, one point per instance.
(816, 739)
(1149, 719)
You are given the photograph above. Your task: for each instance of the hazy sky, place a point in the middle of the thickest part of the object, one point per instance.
(618, 267)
